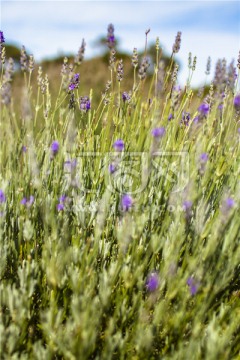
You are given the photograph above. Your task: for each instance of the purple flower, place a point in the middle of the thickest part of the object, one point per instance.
(152, 282)
(177, 88)
(236, 102)
(28, 202)
(60, 207)
(76, 78)
(204, 108)
(127, 202)
(24, 149)
(239, 130)
(70, 165)
(126, 96)
(31, 200)
(112, 168)
(24, 201)
(158, 132)
(111, 39)
(176, 45)
(61, 204)
(187, 205)
(229, 203)
(186, 118)
(74, 82)
(62, 198)
(193, 285)
(119, 145)
(2, 39)
(85, 104)
(71, 87)
(204, 157)
(110, 36)
(2, 197)
(196, 119)
(55, 147)
(170, 117)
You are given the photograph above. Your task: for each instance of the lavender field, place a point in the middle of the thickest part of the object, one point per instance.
(119, 209)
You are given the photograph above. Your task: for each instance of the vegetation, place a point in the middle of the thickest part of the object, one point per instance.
(119, 222)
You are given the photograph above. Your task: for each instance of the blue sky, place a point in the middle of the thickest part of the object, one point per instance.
(209, 28)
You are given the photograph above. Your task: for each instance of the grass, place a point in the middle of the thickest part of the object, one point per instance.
(76, 264)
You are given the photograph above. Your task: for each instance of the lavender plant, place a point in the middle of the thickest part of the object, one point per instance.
(119, 223)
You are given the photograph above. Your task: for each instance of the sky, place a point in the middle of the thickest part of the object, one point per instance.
(48, 28)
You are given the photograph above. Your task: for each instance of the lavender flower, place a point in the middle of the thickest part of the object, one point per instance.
(24, 149)
(24, 201)
(85, 104)
(135, 58)
(74, 82)
(2, 39)
(193, 285)
(7, 79)
(208, 66)
(112, 168)
(76, 78)
(158, 132)
(127, 202)
(61, 204)
(204, 109)
(24, 59)
(176, 45)
(229, 203)
(71, 87)
(2, 49)
(236, 102)
(186, 118)
(70, 165)
(203, 157)
(152, 282)
(28, 202)
(31, 200)
(72, 101)
(60, 207)
(142, 72)
(120, 70)
(177, 88)
(62, 198)
(203, 160)
(55, 147)
(110, 36)
(232, 75)
(226, 206)
(119, 145)
(80, 56)
(31, 63)
(175, 73)
(187, 205)
(2, 197)
(239, 130)
(112, 59)
(170, 117)
(126, 96)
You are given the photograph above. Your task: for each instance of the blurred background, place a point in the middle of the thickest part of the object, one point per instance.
(51, 29)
